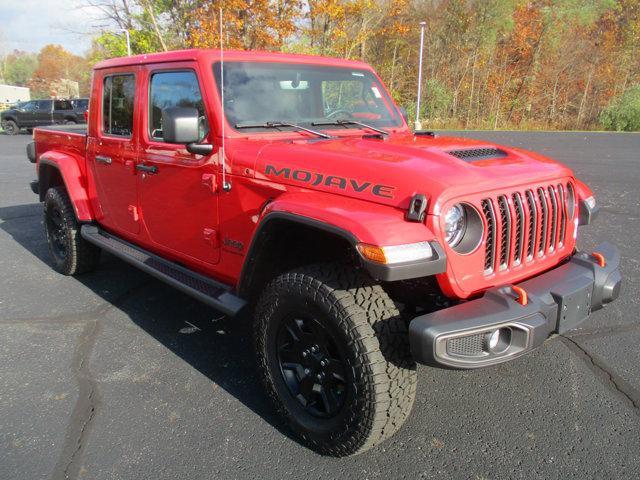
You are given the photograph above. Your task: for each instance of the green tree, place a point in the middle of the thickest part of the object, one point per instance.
(18, 67)
(623, 113)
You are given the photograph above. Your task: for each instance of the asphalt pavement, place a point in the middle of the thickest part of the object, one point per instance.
(113, 375)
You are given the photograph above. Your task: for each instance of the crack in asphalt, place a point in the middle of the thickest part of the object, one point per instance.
(605, 331)
(18, 217)
(613, 381)
(63, 318)
(68, 465)
(85, 408)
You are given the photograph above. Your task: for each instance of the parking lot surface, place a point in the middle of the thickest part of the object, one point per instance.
(113, 375)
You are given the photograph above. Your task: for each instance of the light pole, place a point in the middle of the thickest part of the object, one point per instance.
(418, 125)
(126, 32)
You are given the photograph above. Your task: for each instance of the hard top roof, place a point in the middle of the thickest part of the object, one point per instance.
(229, 55)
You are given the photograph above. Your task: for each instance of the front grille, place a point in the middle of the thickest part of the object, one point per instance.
(505, 237)
(490, 218)
(524, 225)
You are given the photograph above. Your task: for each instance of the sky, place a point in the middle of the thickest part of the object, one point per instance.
(30, 24)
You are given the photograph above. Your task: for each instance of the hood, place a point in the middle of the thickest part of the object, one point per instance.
(391, 170)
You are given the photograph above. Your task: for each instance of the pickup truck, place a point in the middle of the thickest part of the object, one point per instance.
(289, 189)
(37, 113)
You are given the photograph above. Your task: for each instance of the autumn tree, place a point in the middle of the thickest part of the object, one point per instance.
(55, 64)
(488, 63)
(248, 24)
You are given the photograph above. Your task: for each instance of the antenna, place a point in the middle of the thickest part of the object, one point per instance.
(225, 186)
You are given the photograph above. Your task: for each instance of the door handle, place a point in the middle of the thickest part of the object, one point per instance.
(147, 168)
(105, 160)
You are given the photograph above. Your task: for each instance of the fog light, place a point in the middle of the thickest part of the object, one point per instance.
(498, 341)
(493, 339)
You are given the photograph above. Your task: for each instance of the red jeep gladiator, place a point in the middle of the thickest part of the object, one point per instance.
(291, 187)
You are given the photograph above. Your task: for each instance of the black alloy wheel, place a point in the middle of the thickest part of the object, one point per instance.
(57, 233)
(333, 352)
(312, 366)
(71, 254)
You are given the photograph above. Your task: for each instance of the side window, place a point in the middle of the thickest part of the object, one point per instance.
(44, 105)
(30, 106)
(62, 105)
(117, 105)
(174, 89)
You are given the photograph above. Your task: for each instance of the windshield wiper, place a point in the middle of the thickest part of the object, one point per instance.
(280, 124)
(350, 122)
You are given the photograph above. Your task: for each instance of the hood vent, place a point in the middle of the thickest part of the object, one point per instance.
(473, 154)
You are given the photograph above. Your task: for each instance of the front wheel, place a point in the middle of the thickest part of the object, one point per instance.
(11, 127)
(333, 351)
(71, 253)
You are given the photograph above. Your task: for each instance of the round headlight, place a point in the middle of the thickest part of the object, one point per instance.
(462, 228)
(455, 222)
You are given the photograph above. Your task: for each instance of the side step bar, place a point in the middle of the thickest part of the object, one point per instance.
(214, 294)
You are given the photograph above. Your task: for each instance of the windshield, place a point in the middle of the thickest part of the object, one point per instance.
(259, 92)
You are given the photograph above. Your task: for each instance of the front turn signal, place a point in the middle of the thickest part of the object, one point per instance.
(410, 252)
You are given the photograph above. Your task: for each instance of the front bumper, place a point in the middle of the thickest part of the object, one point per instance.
(559, 300)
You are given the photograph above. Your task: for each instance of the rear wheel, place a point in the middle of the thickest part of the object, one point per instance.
(333, 351)
(11, 127)
(71, 254)
(70, 122)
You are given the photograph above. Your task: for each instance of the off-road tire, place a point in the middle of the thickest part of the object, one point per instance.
(361, 313)
(79, 255)
(11, 127)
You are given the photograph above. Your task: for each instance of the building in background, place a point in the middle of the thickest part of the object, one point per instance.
(10, 94)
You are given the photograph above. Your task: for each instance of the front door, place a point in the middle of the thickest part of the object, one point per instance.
(111, 153)
(178, 199)
(44, 113)
(27, 114)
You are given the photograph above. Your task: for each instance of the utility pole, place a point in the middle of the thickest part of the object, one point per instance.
(418, 125)
(126, 32)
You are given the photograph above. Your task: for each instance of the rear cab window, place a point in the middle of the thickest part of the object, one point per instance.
(174, 89)
(118, 101)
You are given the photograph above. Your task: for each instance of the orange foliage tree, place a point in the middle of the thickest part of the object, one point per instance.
(248, 24)
(56, 64)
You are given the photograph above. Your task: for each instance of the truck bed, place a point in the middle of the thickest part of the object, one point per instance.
(75, 128)
(70, 139)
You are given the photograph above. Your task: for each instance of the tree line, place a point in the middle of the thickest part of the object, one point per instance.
(557, 64)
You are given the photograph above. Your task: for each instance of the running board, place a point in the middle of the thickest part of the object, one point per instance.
(214, 294)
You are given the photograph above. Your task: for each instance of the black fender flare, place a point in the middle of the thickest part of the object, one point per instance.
(382, 272)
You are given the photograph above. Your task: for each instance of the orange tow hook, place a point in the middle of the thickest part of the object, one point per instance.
(523, 298)
(600, 258)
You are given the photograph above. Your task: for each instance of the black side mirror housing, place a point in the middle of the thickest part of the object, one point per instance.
(180, 125)
(405, 115)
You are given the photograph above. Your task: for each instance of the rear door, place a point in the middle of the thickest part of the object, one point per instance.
(62, 110)
(178, 202)
(111, 153)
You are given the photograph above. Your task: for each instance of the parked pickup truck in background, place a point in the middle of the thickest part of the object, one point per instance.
(38, 113)
(290, 188)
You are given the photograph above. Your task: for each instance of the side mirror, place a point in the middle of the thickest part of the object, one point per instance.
(180, 125)
(405, 115)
